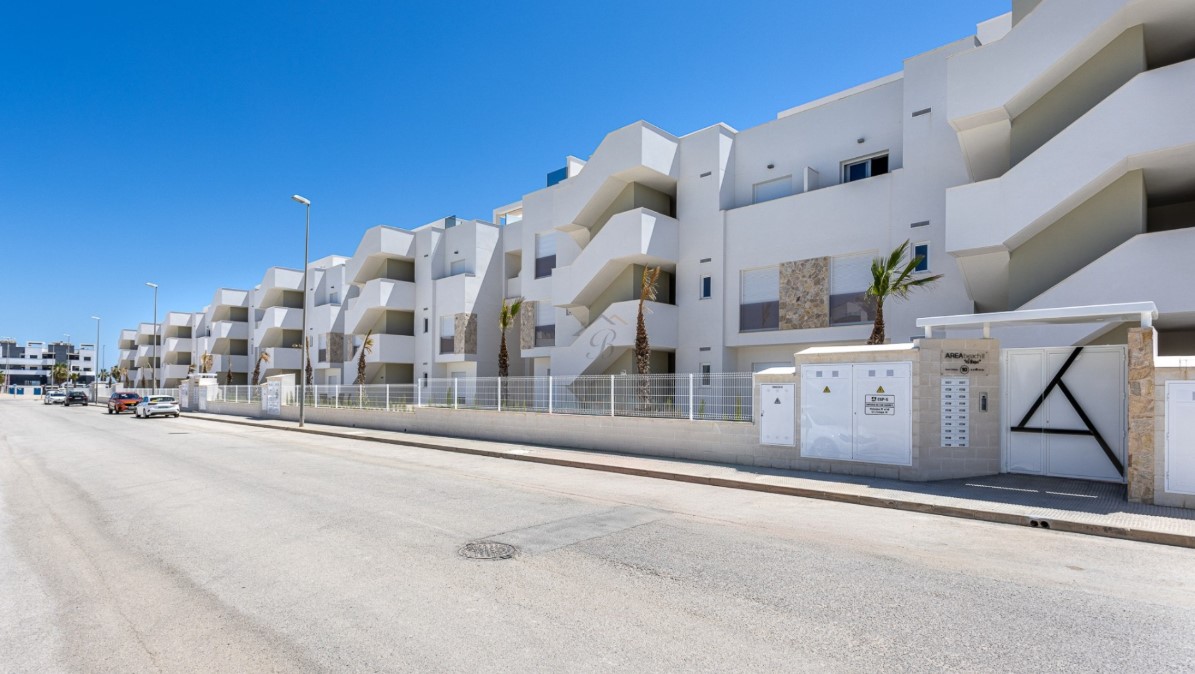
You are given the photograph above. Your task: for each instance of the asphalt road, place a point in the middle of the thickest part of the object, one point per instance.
(185, 545)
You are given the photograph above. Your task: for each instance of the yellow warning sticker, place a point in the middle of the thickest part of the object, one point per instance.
(880, 389)
(826, 390)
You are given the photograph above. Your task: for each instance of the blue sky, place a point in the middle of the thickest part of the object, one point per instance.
(162, 141)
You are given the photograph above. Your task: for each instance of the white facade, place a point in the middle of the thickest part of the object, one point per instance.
(1046, 161)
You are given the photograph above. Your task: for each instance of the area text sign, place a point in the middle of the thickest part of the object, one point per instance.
(875, 404)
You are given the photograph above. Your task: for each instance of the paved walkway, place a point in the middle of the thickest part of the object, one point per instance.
(1078, 506)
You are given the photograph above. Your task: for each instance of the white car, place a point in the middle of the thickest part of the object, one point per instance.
(55, 398)
(157, 405)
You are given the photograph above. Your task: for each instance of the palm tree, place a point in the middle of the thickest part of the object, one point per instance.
(307, 352)
(642, 345)
(262, 357)
(366, 349)
(228, 374)
(59, 373)
(893, 277)
(505, 318)
(74, 378)
(205, 363)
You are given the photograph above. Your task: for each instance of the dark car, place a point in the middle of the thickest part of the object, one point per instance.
(122, 401)
(76, 397)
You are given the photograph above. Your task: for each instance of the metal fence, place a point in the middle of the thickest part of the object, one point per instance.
(710, 397)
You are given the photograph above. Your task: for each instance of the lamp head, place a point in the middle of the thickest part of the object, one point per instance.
(151, 285)
(301, 200)
(95, 318)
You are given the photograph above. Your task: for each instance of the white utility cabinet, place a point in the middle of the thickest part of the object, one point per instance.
(857, 412)
(776, 407)
(1180, 437)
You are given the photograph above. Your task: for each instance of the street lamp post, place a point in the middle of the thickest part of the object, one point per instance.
(153, 364)
(95, 363)
(303, 341)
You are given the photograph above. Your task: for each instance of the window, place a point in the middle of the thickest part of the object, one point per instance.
(850, 276)
(859, 169)
(772, 189)
(707, 287)
(760, 305)
(545, 254)
(921, 254)
(425, 322)
(447, 334)
(705, 374)
(545, 324)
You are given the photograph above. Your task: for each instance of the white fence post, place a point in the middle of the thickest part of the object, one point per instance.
(336, 392)
(419, 392)
(387, 397)
(549, 394)
(611, 395)
(456, 396)
(499, 394)
(690, 396)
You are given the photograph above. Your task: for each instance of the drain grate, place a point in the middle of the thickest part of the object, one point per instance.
(487, 550)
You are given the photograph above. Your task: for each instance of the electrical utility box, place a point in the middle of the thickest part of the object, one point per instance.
(857, 412)
(1180, 437)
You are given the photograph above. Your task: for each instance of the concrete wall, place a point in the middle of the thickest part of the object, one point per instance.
(1107, 71)
(1099, 225)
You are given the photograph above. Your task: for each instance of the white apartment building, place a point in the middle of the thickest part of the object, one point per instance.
(34, 362)
(1045, 161)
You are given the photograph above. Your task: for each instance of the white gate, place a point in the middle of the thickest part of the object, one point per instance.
(776, 415)
(1064, 411)
(1180, 437)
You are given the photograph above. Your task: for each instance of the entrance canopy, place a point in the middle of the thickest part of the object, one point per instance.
(1145, 312)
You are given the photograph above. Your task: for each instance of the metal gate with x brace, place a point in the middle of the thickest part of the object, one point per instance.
(1065, 411)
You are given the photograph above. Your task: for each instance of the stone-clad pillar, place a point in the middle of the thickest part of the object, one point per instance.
(1140, 464)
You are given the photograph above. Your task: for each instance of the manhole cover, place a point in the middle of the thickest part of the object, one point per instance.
(487, 550)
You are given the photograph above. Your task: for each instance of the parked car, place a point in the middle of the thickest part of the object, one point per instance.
(55, 398)
(122, 401)
(157, 405)
(76, 397)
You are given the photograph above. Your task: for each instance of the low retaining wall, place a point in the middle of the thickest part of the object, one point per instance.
(713, 441)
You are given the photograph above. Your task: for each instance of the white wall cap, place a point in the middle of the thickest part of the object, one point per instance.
(888, 79)
(778, 370)
(863, 348)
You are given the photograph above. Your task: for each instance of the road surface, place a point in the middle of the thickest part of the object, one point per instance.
(185, 545)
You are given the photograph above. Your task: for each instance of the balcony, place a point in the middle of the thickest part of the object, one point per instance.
(514, 288)
(378, 295)
(392, 349)
(280, 318)
(283, 358)
(283, 279)
(638, 236)
(222, 363)
(177, 345)
(456, 294)
(638, 152)
(378, 244)
(230, 330)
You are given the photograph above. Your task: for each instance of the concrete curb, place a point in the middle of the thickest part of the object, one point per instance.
(1070, 526)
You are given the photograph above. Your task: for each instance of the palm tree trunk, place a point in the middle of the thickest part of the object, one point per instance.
(877, 331)
(503, 359)
(642, 356)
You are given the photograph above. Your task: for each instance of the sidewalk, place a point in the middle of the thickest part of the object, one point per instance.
(1078, 506)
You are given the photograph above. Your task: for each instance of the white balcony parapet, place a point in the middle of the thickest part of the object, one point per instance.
(378, 295)
(638, 236)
